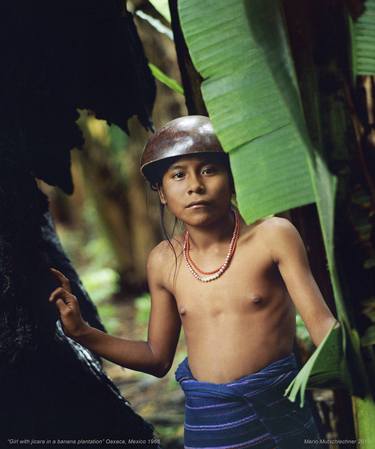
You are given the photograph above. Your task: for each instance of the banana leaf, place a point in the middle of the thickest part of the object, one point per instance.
(327, 366)
(250, 91)
(251, 95)
(364, 419)
(363, 41)
(162, 7)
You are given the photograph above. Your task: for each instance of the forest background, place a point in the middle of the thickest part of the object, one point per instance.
(298, 114)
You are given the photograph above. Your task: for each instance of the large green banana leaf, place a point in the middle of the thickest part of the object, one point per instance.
(252, 98)
(250, 91)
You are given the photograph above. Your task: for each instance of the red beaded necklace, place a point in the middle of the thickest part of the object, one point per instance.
(212, 275)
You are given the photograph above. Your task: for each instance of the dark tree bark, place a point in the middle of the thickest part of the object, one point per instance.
(51, 387)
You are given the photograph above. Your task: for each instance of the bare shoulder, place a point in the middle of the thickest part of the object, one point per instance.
(281, 237)
(162, 259)
(269, 227)
(279, 227)
(276, 236)
(160, 255)
(166, 249)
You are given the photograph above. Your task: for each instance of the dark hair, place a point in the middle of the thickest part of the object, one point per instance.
(167, 237)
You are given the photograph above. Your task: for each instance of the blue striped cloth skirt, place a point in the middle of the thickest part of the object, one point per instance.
(250, 412)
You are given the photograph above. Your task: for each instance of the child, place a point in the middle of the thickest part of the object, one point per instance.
(233, 287)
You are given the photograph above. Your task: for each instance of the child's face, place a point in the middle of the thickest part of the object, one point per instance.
(202, 179)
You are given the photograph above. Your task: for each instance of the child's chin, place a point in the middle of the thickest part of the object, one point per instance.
(198, 219)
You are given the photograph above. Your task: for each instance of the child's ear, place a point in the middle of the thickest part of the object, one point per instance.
(161, 195)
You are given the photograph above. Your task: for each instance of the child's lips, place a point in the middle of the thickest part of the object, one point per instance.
(198, 204)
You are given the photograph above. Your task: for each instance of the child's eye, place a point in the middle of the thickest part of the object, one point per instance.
(178, 175)
(208, 170)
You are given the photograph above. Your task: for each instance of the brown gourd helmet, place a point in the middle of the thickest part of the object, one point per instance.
(192, 134)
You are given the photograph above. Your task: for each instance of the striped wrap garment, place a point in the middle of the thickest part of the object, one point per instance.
(250, 412)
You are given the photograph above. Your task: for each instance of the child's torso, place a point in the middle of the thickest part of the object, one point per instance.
(240, 322)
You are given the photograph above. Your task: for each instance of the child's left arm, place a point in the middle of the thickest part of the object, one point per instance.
(288, 252)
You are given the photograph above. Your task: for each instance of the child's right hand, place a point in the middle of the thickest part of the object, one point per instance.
(68, 307)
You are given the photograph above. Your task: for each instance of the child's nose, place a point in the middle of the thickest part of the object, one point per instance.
(195, 184)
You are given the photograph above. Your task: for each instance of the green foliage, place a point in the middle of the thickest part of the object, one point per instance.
(96, 252)
(109, 137)
(363, 41)
(100, 283)
(369, 338)
(302, 332)
(163, 7)
(142, 307)
(171, 432)
(119, 140)
(92, 255)
(165, 79)
(364, 411)
(324, 367)
(369, 308)
(251, 94)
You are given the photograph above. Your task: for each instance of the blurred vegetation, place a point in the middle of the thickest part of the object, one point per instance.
(143, 306)
(91, 254)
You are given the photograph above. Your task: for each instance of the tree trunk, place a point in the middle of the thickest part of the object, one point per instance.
(50, 387)
(46, 379)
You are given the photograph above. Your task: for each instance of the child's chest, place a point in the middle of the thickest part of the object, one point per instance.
(251, 284)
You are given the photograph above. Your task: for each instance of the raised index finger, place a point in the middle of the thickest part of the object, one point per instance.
(65, 283)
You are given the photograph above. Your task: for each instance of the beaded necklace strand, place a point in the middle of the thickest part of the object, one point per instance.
(212, 275)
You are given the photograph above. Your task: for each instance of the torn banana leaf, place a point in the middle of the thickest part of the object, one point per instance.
(327, 366)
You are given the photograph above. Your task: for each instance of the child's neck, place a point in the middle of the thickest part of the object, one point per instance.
(203, 238)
